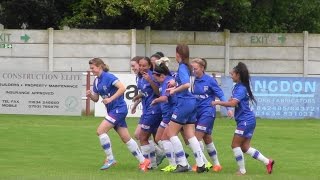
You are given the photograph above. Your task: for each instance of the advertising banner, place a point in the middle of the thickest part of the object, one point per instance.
(42, 93)
(283, 97)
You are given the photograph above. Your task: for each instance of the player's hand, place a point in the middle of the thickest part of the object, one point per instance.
(88, 93)
(214, 103)
(171, 90)
(153, 102)
(171, 83)
(230, 113)
(146, 76)
(106, 100)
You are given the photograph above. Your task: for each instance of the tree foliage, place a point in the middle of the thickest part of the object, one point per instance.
(199, 15)
(116, 13)
(283, 16)
(34, 14)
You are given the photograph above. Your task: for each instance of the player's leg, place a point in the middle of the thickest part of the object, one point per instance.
(105, 142)
(133, 147)
(200, 135)
(173, 130)
(185, 140)
(213, 153)
(238, 154)
(147, 149)
(149, 125)
(137, 132)
(246, 147)
(203, 131)
(169, 151)
(138, 128)
(160, 154)
(182, 114)
(205, 125)
(195, 147)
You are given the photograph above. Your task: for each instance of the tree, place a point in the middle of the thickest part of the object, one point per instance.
(116, 13)
(284, 16)
(33, 14)
(196, 15)
(191, 15)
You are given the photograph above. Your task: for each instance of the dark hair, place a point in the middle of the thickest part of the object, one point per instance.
(136, 58)
(162, 69)
(99, 63)
(243, 71)
(183, 51)
(156, 56)
(149, 62)
(160, 54)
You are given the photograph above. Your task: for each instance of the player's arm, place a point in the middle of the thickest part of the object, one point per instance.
(137, 98)
(185, 81)
(230, 103)
(218, 91)
(160, 100)
(180, 88)
(154, 86)
(135, 105)
(119, 92)
(93, 96)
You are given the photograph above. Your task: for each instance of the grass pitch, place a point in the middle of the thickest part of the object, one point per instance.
(60, 147)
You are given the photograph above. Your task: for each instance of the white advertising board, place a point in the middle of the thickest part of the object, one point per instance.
(42, 93)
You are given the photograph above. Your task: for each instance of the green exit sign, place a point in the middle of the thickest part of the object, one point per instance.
(5, 45)
(4, 37)
(5, 40)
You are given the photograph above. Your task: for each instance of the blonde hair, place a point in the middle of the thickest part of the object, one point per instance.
(201, 61)
(99, 63)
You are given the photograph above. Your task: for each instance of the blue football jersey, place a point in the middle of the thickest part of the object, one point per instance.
(206, 89)
(104, 85)
(167, 106)
(148, 95)
(242, 112)
(183, 77)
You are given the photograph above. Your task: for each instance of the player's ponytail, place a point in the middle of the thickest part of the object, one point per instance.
(183, 51)
(162, 69)
(243, 71)
(105, 68)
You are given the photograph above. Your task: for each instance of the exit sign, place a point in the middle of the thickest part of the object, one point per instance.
(5, 45)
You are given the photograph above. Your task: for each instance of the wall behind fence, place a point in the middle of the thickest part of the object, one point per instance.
(266, 54)
(69, 50)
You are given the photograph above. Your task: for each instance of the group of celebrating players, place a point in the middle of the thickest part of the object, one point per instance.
(172, 103)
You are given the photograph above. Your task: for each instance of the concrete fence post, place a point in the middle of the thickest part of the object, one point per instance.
(133, 50)
(305, 54)
(50, 49)
(226, 51)
(148, 41)
(88, 86)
